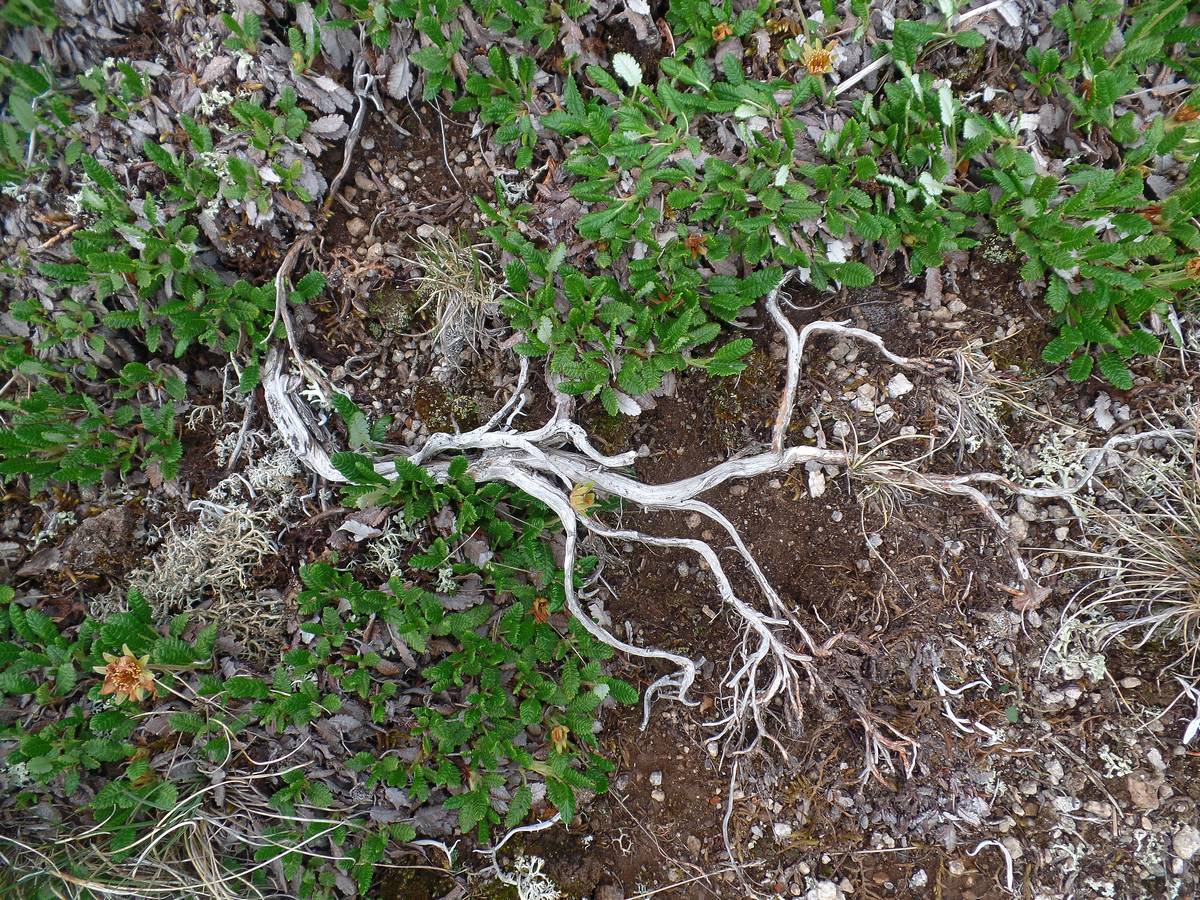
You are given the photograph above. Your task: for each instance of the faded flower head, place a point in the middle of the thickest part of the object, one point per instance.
(127, 676)
(721, 32)
(818, 58)
(558, 737)
(1192, 267)
(583, 498)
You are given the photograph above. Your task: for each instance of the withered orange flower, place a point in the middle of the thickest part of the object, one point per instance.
(541, 609)
(1192, 267)
(722, 31)
(127, 676)
(558, 737)
(1152, 213)
(696, 244)
(583, 498)
(1186, 114)
(818, 59)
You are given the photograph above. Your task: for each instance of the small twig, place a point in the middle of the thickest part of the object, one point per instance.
(695, 878)
(878, 64)
(520, 829)
(242, 432)
(446, 155)
(60, 236)
(363, 82)
(1008, 860)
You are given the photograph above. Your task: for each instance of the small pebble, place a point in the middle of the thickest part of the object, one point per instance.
(1186, 842)
(816, 484)
(899, 386)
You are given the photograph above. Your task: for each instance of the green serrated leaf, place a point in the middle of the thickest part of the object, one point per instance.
(1113, 368)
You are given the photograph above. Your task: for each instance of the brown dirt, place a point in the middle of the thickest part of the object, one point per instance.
(824, 571)
(627, 837)
(370, 314)
(198, 469)
(619, 37)
(402, 198)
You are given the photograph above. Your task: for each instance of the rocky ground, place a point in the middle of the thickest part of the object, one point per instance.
(979, 741)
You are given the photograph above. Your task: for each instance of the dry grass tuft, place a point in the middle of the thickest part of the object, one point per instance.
(1146, 565)
(457, 289)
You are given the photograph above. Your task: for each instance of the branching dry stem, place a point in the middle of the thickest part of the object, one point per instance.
(777, 655)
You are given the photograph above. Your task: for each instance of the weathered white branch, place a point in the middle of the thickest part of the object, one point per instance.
(549, 461)
(293, 419)
(540, 489)
(795, 357)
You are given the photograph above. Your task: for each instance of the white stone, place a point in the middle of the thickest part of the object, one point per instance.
(824, 890)
(1018, 527)
(1012, 846)
(816, 484)
(1186, 842)
(782, 830)
(1154, 757)
(1054, 770)
(899, 386)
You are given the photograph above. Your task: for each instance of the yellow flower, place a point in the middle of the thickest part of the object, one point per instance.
(127, 676)
(818, 59)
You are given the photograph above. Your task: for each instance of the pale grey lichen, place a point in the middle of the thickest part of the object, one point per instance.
(529, 879)
(1115, 765)
(386, 552)
(53, 528)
